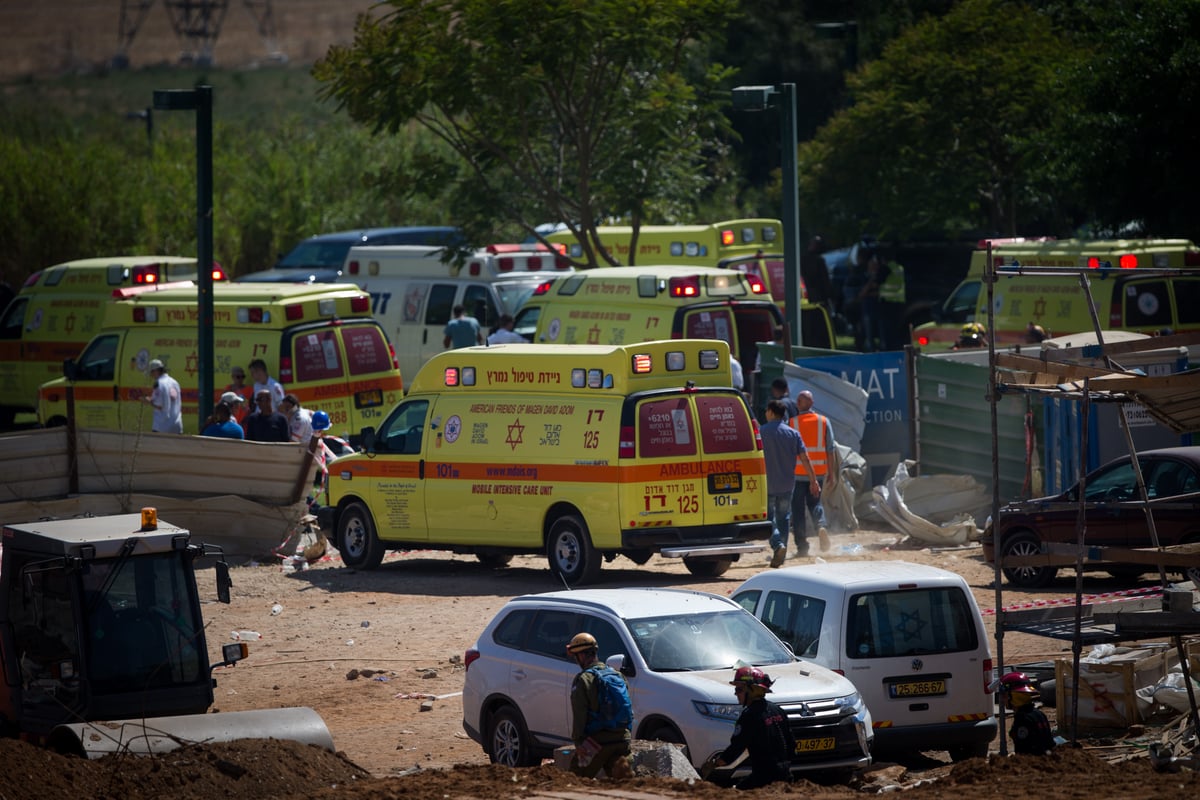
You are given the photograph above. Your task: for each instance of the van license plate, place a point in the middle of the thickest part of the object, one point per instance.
(368, 398)
(917, 688)
(815, 745)
(724, 482)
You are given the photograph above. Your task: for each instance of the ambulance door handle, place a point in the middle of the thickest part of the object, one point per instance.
(116, 393)
(425, 336)
(421, 469)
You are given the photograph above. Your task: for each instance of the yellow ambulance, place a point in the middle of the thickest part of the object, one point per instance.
(1126, 296)
(582, 453)
(319, 341)
(752, 246)
(59, 309)
(622, 305)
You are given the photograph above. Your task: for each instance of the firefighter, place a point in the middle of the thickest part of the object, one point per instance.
(762, 729)
(1030, 730)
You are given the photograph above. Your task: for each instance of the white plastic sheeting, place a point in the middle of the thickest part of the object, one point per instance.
(912, 505)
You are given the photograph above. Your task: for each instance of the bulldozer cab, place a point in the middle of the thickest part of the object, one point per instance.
(100, 620)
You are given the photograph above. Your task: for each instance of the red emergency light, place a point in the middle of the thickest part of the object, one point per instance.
(285, 369)
(361, 304)
(727, 237)
(688, 286)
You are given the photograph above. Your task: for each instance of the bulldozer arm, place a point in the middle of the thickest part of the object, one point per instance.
(163, 734)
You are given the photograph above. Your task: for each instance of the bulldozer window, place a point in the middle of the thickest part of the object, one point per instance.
(141, 625)
(43, 627)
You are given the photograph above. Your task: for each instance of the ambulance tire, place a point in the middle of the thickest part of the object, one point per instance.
(570, 552)
(640, 556)
(711, 567)
(356, 538)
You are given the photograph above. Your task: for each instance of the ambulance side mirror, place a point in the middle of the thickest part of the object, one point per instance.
(368, 439)
(70, 369)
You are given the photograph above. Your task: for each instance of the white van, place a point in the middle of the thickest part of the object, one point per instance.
(909, 636)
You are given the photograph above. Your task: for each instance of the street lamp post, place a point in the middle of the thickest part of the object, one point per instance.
(783, 97)
(200, 101)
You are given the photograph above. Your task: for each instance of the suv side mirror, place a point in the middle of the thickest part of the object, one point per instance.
(620, 664)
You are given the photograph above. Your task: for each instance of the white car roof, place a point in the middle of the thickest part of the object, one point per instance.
(855, 574)
(637, 602)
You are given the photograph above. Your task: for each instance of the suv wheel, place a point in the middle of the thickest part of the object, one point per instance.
(508, 741)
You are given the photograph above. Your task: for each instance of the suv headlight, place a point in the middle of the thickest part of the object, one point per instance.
(723, 711)
(852, 701)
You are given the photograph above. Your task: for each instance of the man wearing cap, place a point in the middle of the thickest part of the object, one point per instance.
(238, 385)
(165, 399)
(595, 748)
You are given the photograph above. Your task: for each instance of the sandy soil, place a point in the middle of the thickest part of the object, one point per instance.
(368, 649)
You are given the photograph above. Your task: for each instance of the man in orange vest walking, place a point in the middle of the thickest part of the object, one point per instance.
(817, 433)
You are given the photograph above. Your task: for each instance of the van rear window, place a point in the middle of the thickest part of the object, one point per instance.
(665, 429)
(317, 356)
(910, 622)
(724, 424)
(366, 350)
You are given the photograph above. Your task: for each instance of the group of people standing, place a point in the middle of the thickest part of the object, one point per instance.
(277, 416)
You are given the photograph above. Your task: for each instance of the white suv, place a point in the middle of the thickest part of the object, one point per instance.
(677, 649)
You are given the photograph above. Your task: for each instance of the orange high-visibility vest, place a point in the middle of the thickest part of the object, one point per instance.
(811, 427)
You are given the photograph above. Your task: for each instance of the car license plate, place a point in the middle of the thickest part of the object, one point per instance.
(368, 398)
(724, 482)
(917, 688)
(818, 745)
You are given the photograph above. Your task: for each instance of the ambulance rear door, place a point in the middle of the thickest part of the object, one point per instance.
(698, 470)
(740, 325)
(345, 370)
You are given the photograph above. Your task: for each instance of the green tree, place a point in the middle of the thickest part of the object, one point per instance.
(949, 130)
(559, 109)
(1134, 141)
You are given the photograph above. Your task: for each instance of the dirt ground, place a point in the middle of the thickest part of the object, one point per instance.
(368, 650)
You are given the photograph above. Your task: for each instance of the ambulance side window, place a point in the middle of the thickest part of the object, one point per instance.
(401, 434)
(960, 307)
(440, 304)
(14, 319)
(98, 362)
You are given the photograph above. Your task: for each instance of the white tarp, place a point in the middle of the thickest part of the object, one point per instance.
(911, 504)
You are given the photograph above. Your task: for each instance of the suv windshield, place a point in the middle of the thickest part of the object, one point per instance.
(684, 643)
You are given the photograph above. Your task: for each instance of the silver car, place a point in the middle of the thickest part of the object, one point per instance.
(678, 650)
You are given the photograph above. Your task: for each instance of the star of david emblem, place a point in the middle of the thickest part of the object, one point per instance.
(516, 434)
(192, 362)
(910, 625)
(1039, 308)
(751, 484)
(594, 335)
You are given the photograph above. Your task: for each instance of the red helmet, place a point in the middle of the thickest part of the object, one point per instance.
(751, 676)
(1017, 682)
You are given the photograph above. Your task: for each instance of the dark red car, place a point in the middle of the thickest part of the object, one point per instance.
(1114, 512)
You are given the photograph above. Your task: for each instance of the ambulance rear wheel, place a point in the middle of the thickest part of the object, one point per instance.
(711, 567)
(569, 549)
(356, 538)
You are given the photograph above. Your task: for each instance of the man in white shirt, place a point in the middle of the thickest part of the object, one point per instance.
(262, 380)
(166, 400)
(504, 333)
(299, 419)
